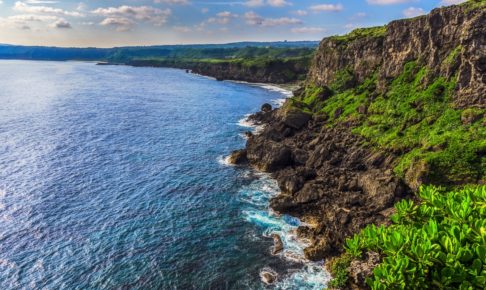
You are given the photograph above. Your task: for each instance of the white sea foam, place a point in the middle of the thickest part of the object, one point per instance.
(312, 275)
(224, 160)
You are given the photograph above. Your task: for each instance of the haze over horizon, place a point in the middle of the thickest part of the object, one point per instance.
(75, 23)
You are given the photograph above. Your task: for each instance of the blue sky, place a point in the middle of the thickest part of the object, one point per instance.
(107, 23)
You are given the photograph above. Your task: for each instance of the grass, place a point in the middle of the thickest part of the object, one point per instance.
(415, 121)
(377, 31)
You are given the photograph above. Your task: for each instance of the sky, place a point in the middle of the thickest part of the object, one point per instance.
(108, 23)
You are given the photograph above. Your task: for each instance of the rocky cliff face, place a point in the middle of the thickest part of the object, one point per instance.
(276, 72)
(333, 147)
(450, 42)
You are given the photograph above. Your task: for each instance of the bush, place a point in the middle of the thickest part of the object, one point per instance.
(439, 243)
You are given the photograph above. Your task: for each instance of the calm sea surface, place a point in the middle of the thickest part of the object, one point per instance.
(113, 177)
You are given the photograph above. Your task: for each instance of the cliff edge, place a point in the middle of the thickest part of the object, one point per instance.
(383, 111)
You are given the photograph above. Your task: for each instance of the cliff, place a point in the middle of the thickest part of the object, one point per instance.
(384, 110)
(449, 42)
(277, 71)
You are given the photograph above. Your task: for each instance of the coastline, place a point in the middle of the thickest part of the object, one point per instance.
(310, 274)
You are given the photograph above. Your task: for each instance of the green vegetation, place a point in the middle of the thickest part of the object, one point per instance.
(452, 57)
(417, 122)
(339, 270)
(474, 4)
(437, 243)
(377, 31)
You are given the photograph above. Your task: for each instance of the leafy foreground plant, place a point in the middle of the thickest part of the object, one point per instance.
(438, 243)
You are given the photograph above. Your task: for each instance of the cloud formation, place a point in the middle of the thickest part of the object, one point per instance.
(254, 19)
(413, 12)
(124, 17)
(387, 2)
(452, 2)
(327, 8)
(26, 8)
(273, 3)
(173, 2)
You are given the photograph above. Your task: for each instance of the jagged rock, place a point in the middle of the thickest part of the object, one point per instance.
(362, 269)
(296, 119)
(469, 117)
(266, 107)
(278, 245)
(429, 39)
(269, 155)
(238, 157)
(268, 276)
(300, 156)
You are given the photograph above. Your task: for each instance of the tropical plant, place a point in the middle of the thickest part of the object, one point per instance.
(437, 243)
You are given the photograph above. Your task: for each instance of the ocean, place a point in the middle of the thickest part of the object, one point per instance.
(114, 177)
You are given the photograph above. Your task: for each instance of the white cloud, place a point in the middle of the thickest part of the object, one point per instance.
(41, 2)
(278, 3)
(32, 18)
(307, 29)
(204, 10)
(226, 14)
(387, 2)
(413, 12)
(120, 23)
(81, 7)
(173, 2)
(26, 8)
(61, 24)
(327, 7)
(273, 3)
(254, 3)
(1, 2)
(222, 18)
(300, 12)
(121, 14)
(254, 19)
(452, 2)
(28, 21)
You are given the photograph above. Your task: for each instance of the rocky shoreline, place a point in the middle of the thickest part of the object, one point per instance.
(330, 146)
(327, 177)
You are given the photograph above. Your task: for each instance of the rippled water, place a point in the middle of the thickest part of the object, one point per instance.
(111, 177)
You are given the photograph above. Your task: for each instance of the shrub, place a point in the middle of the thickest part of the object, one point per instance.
(438, 243)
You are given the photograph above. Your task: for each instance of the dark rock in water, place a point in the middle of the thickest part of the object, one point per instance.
(266, 107)
(220, 79)
(296, 119)
(268, 276)
(248, 134)
(238, 157)
(277, 244)
(268, 156)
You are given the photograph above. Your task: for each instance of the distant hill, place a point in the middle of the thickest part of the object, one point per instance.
(122, 54)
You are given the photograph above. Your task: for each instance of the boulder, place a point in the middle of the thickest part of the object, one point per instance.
(266, 107)
(296, 119)
(238, 157)
(269, 155)
(277, 244)
(268, 276)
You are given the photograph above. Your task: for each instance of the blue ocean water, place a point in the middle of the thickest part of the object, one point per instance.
(113, 177)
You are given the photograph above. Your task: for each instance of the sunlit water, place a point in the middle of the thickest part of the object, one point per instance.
(113, 177)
